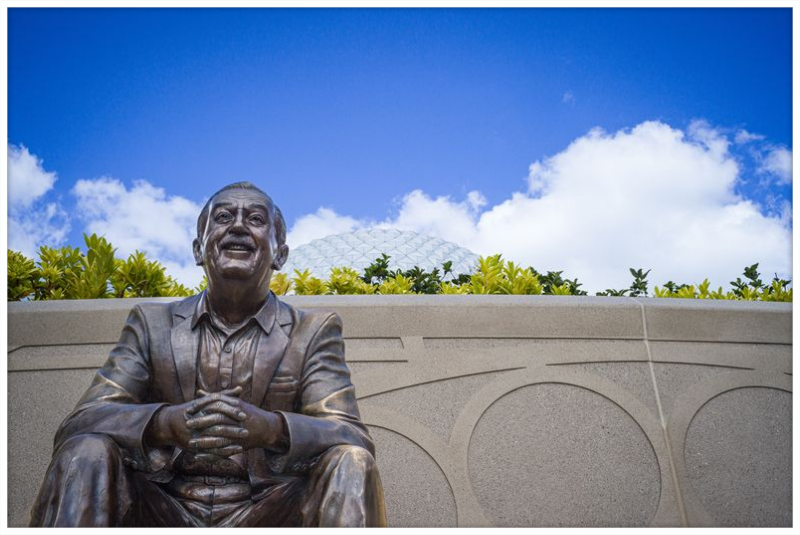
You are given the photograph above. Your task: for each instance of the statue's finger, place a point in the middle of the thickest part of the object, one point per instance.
(204, 402)
(229, 431)
(231, 411)
(235, 391)
(203, 443)
(200, 403)
(233, 402)
(206, 420)
(226, 451)
(199, 423)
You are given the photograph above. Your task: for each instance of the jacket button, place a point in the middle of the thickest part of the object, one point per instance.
(227, 349)
(224, 384)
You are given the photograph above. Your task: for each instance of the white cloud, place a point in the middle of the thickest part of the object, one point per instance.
(31, 221)
(568, 98)
(714, 140)
(442, 217)
(649, 197)
(47, 225)
(323, 222)
(27, 179)
(743, 136)
(143, 217)
(778, 162)
(476, 200)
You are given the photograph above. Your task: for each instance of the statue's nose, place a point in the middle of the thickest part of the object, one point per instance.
(238, 226)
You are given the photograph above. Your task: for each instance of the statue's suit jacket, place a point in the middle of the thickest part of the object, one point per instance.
(299, 371)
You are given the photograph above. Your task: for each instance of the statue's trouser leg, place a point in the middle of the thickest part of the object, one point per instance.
(344, 490)
(154, 507)
(87, 484)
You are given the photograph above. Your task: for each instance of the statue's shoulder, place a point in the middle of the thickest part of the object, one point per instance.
(161, 313)
(305, 321)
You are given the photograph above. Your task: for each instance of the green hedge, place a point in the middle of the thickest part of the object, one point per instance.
(69, 273)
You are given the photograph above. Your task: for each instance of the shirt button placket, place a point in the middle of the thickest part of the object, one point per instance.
(225, 376)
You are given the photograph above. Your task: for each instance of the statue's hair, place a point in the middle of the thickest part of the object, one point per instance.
(278, 223)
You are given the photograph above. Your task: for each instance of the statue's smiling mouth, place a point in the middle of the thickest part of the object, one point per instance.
(238, 247)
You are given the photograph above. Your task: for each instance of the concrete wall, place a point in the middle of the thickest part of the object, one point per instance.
(506, 410)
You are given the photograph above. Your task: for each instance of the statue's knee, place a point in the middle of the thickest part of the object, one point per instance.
(90, 447)
(353, 457)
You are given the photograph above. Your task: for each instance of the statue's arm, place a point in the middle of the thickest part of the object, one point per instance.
(329, 413)
(114, 403)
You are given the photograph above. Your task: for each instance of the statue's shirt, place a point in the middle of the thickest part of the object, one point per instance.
(225, 359)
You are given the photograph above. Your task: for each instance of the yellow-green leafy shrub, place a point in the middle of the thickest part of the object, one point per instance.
(68, 273)
(751, 289)
(399, 284)
(346, 281)
(280, 283)
(307, 284)
(22, 276)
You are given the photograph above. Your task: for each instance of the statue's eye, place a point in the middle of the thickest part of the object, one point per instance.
(257, 219)
(223, 217)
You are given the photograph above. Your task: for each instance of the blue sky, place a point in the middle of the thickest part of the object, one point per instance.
(485, 127)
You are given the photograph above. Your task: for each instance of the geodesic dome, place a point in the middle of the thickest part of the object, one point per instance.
(360, 248)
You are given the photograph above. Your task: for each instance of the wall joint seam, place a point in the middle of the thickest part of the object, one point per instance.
(661, 417)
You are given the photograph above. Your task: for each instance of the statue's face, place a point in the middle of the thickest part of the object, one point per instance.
(238, 242)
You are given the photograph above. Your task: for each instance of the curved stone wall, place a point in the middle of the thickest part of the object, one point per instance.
(506, 410)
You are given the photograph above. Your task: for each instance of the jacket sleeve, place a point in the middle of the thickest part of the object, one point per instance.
(328, 411)
(113, 405)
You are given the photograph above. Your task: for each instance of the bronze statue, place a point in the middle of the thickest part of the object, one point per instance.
(228, 408)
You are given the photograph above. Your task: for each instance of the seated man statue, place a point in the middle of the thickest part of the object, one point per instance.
(228, 408)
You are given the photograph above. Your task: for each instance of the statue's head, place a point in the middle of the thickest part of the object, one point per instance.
(241, 235)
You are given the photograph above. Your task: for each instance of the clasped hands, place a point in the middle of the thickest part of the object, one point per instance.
(218, 424)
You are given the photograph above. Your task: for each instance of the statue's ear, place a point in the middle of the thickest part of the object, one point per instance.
(197, 249)
(280, 257)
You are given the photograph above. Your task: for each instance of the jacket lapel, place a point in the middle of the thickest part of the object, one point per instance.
(271, 348)
(184, 348)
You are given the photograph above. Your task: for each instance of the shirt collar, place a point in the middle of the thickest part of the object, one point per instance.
(265, 316)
